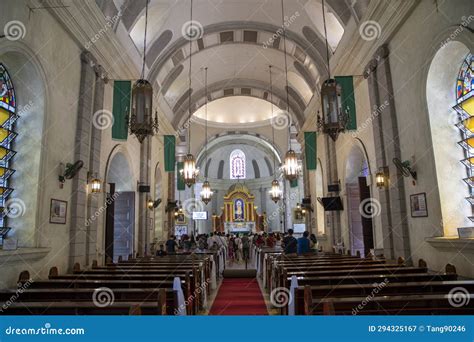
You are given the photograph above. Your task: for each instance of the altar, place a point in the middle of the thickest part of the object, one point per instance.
(239, 214)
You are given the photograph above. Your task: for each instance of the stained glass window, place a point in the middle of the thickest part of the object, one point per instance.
(465, 110)
(8, 116)
(237, 164)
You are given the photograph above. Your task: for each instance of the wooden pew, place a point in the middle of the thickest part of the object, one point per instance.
(306, 295)
(166, 299)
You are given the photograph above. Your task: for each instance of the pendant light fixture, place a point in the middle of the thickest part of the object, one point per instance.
(333, 120)
(275, 192)
(190, 172)
(206, 192)
(141, 122)
(290, 166)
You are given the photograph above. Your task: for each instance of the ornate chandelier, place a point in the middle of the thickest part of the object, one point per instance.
(206, 192)
(275, 192)
(333, 120)
(290, 165)
(190, 172)
(141, 122)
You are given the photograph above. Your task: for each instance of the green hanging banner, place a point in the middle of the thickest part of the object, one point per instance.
(294, 183)
(348, 100)
(310, 150)
(121, 109)
(170, 146)
(179, 177)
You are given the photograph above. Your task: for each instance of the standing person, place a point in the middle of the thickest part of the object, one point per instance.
(202, 243)
(303, 244)
(270, 242)
(289, 243)
(237, 247)
(186, 243)
(313, 242)
(171, 245)
(231, 252)
(161, 252)
(210, 240)
(245, 247)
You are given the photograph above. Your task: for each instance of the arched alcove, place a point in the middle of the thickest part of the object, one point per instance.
(440, 98)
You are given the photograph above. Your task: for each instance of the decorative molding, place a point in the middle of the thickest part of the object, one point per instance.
(452, 243)
(22, 254)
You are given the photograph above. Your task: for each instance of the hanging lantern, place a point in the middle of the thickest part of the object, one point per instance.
(206, 192)
(141, 122)
(290, 166)
(96, 185)
(334, 119)
(189, 171)
(275, 192)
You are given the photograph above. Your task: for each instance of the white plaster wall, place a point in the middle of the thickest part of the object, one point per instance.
(412, 50)
(53, 63)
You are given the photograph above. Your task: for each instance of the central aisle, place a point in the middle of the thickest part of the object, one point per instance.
(239, 296)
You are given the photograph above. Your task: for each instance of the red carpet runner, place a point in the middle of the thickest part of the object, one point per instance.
(239, 296)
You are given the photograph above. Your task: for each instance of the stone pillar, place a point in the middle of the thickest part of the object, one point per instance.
(143, 211)
(334, 217)
(78, 228)
(94, 159)
(171, 197)
(387, 146)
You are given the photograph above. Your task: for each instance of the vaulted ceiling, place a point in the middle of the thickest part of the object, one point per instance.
(237, 41)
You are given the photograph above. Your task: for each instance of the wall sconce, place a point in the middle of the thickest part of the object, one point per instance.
(151, 204)
(381, 178)
(95, 183)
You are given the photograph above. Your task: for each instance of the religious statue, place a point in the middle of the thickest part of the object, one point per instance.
(239, 210)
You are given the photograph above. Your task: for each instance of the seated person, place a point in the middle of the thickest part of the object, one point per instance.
(289, 243)
(161, 252)
(303, 244)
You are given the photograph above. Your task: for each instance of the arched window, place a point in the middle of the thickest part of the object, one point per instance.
(8, 117)
(465, 109)
(237, 165)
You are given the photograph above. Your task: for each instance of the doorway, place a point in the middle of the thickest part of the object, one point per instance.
(360, 224)
(120, 212)
(120, 219)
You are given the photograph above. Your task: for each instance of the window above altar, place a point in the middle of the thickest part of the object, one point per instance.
(237, 165)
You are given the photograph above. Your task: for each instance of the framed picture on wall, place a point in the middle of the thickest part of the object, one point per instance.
(418, 205)
(58, 211)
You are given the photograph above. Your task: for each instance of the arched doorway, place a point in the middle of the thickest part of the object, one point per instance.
(120, 217)
(358, 196)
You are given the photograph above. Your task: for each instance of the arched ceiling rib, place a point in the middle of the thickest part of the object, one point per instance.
(316, 50)
(198, 98)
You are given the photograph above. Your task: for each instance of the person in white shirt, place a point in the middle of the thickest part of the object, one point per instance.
(238, 249)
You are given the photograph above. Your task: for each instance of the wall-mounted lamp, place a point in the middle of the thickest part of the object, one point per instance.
(151, 204)
(381, 178)
(95, 184)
